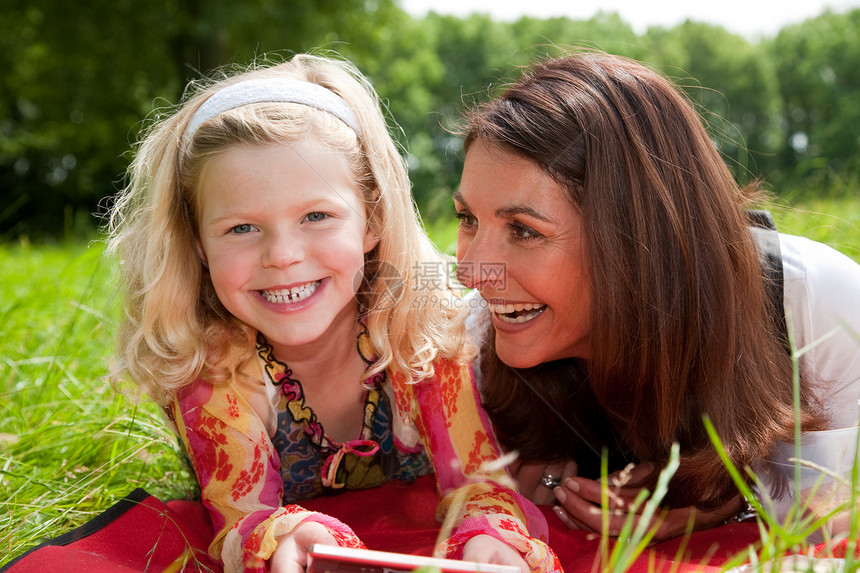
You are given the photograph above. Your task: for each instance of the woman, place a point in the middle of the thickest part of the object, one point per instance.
(626, 296)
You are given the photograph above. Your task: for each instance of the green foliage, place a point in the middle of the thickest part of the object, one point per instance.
(605, 31)
(816, 64)
(72, 90)
(79, 79)
(734, 86)
(828, 219)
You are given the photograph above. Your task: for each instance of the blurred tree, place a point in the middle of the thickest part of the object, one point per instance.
(733, 85)
(79, 78)
(606, 31)
(73, 87)
(817, 65)
(404, 70)
(472, 54)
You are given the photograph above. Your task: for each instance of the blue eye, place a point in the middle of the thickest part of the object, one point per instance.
(316, 216)
(242, 229)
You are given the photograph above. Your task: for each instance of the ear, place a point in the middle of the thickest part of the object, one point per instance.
(201, 254)
(371, 239)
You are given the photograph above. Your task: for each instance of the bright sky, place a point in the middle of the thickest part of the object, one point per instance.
(750, 18)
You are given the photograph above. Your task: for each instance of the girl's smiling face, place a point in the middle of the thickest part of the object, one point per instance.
(283, 233)
(521, 243)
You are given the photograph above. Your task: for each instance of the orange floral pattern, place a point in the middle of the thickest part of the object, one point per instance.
(241, 477)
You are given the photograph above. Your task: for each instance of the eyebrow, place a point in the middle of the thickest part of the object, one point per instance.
(309, 205)
(509, 211)
(514, 210)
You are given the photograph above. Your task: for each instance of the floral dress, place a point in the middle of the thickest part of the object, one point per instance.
(257, 450)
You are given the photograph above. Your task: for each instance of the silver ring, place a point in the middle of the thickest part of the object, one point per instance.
(550, 481)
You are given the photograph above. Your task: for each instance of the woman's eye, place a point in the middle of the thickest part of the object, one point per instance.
(466, 219)
(316, 216)
(242, 229)
(524, 233)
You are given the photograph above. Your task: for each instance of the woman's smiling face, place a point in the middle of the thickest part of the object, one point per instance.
(521, 243)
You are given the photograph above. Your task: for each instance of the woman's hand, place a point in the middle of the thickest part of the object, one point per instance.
(291, 556)
(579, 507)
(487, 549)
(530, 478)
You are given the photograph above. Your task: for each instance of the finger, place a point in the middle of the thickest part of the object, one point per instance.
(634, 472)
(581, 511)
(514, 467)
(595, 492)
(585, 514)
(570, 470)
(594, 521)
(673, 523)
(530, 480)
(568, 520)
(527, 477)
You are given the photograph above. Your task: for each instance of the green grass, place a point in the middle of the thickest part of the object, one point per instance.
(69, 445)
(835, 222)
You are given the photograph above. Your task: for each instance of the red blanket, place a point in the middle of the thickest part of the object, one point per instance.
(142, 533)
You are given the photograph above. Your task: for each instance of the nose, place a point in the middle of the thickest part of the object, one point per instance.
(479, 262)
(282, 250)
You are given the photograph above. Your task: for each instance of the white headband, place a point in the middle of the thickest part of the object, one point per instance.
(271, 90)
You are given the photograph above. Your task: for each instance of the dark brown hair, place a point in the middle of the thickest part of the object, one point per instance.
(680, 321)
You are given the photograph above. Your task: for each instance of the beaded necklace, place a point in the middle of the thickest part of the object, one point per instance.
(311, 461)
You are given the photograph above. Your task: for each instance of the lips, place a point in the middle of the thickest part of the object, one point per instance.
(516, 313)
(291, 295)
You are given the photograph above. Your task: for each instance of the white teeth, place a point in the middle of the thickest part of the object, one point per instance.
(509, 308)
(516, 313)
(295, 294)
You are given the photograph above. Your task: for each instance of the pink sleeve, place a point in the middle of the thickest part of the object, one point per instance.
(479, 496)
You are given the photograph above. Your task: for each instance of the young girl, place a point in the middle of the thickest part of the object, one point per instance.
(269, 246)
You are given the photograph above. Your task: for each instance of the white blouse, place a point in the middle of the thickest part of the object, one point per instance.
(822, 306)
